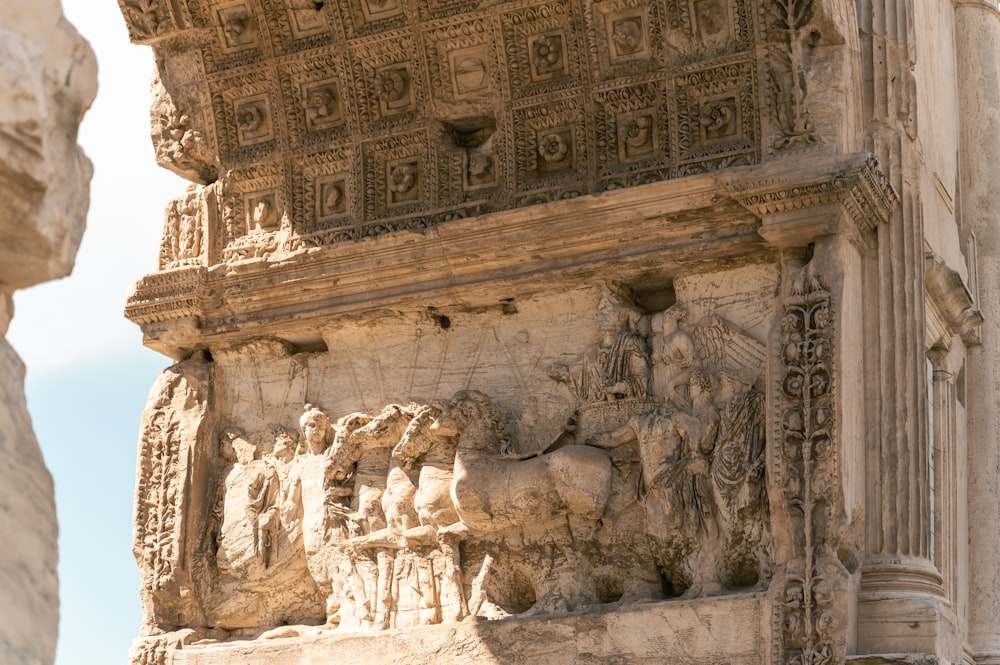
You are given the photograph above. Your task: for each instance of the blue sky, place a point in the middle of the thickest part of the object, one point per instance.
(88, 373)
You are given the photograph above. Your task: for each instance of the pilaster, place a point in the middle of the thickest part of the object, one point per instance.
(977, 24)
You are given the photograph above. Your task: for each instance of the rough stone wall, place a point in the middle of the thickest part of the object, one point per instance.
(48, 79)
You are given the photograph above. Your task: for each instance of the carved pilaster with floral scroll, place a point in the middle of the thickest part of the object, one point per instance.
(785, 22)
(806, 622)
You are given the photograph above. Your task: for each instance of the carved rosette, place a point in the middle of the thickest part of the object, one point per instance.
(805, 618)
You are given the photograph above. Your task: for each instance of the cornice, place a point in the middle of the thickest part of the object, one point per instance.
(801, 198)
(651, 232)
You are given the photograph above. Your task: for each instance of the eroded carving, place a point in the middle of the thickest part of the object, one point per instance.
(582, 99)
(414, 514)
(183, 234)
(147, 19)
(786, 23)
(805, 616)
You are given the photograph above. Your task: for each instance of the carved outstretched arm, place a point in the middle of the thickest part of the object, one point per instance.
(619, 437)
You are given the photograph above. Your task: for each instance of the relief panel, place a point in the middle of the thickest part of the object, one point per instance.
(386, 513)
(245, 122)
(317, 101)
(541, 50)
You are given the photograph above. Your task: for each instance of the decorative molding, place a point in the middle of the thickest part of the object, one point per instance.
(798, 202)
(807, 624)
(653, 229)
(951, 309)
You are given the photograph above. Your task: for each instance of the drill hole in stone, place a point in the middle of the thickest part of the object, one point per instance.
(471, 132)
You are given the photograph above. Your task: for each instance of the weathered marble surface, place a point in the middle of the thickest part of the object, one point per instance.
(730, 630)
(409, 210)
(47, 81)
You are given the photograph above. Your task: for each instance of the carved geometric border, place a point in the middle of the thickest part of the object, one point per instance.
(299, 28)
(429, 10)
(461, 60)
(363, 18)
(541, 51)
(703, 29)
(254, 208)
(397, 176)
(632, 127)
(318, 104)
(550, 141)
(239, 39)
(246, 116)
(716, 119)
(324, 195)
(629, 37)
(386, 78)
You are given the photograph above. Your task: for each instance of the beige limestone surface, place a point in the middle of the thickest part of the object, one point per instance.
(48, 79)
(631, 329)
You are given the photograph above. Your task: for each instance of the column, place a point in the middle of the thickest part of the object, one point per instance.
(977, 24)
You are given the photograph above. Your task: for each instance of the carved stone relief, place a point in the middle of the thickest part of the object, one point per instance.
(180, 146)
(809, 611)
(184, 241)
(649, 441)
(785, 22)
(483, 108)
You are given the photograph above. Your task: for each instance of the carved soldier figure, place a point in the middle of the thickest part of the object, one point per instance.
(675, 452)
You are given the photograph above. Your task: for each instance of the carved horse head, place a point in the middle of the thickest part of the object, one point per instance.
(419, 436)
(361, 434)
(343, 454)
(472, 416)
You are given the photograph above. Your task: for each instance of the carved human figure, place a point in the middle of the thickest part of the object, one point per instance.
(672, 354)
(697, 427)
(190, 234)
(623, 361)
(284, 451)
(332, 520)
(304, 508)
(249, 526)
(676, 446)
